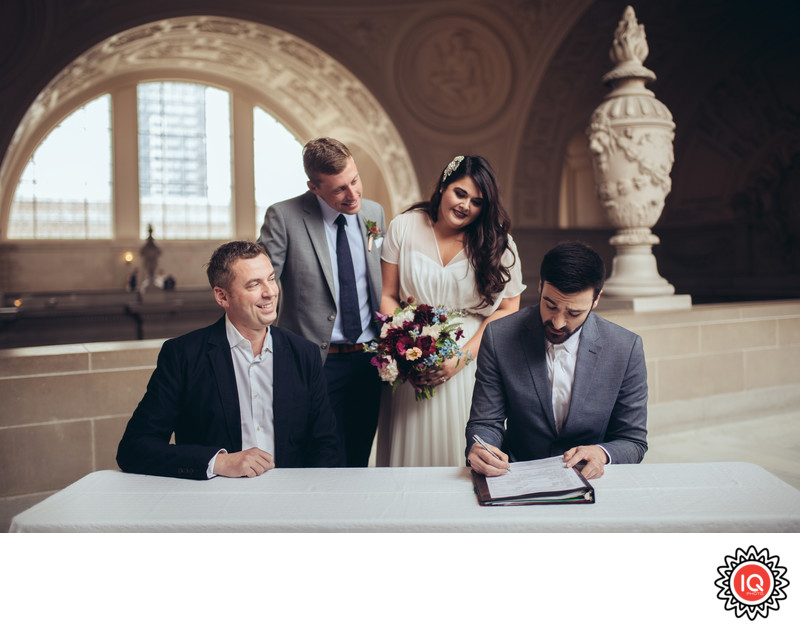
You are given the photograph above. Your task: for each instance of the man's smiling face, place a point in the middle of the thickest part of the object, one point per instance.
(342, 191)
(251, 300)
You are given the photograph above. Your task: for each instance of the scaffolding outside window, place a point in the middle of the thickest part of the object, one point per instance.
(184, 161)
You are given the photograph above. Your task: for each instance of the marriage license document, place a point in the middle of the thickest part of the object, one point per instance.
(545, 481)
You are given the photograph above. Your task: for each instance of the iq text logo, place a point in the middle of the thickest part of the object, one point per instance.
(751, 583)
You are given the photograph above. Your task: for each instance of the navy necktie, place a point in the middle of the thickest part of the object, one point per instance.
(348, 296)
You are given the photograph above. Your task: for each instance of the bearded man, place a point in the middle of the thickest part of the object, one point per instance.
(556, 378)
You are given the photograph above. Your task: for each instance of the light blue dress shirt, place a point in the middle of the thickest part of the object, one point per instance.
(356, 241)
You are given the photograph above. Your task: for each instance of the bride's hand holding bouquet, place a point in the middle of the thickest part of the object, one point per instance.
(417, 343)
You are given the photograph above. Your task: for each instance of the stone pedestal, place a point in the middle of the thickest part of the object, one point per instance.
(634, 273)
(645, 304)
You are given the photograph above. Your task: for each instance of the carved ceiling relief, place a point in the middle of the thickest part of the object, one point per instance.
(281, 68)
(454, 73)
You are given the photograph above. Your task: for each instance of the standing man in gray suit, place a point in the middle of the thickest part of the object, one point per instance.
(325, 248)
(556, 378)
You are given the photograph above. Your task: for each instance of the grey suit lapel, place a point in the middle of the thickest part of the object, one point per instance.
(537, 364)
(373, 262)
(585, 366)
(315, 226)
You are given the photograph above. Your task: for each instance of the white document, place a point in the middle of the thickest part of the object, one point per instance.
(534, 476)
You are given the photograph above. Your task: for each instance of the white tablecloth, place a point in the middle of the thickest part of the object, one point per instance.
(702, 497)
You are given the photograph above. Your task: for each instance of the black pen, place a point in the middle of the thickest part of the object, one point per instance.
(478, 440)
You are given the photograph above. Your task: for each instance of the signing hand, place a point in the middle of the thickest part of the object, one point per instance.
(594, 456)
(243, 464)
(483, 462)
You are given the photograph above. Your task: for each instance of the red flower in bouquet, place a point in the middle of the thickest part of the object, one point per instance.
(414, 339)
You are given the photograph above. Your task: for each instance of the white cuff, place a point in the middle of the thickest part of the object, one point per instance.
(210, 470)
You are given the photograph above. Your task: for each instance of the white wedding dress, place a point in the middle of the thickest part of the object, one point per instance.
(431, 432)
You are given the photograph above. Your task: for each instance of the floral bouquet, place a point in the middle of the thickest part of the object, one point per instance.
(413, 340)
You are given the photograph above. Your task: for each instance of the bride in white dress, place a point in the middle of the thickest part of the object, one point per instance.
(452, 251)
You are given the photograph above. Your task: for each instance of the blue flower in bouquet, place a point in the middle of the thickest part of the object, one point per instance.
(412, 340)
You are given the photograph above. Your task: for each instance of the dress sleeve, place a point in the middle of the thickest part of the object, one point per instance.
(515, 286)
(390, 250)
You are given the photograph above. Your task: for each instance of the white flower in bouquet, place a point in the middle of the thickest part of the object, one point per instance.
(389, 372)
(400, 318)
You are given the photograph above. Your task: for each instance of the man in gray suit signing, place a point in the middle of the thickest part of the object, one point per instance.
(556, 378)
(325, 248)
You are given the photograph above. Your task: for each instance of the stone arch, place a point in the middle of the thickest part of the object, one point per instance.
(310, 92)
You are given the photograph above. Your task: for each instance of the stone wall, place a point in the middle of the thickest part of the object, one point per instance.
(64, 410)
(717, 363)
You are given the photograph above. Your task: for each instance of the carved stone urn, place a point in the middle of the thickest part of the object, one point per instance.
(630, 139)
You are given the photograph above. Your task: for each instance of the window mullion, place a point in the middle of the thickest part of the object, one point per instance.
(244, 203)
(126, 163)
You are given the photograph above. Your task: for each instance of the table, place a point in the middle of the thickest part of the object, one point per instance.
(695, 497)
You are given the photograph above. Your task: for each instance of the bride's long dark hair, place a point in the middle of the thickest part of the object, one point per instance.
(486, 238)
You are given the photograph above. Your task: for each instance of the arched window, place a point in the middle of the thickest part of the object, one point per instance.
(185, 168)
(260, 72)
(65, 191)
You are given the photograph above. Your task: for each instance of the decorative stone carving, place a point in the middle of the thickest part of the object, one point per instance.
(630, 139)
(454, 73)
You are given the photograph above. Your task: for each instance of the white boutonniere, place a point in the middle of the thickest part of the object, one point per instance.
(374, 235)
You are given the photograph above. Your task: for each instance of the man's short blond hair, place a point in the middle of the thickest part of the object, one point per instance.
(324, 156)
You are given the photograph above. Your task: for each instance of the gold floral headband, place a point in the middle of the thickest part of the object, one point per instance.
(452, 167)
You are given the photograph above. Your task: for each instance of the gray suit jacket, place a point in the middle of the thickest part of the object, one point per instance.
(293, 235)
(512, 407)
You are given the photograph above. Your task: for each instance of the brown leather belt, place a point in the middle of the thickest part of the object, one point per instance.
(345, 348)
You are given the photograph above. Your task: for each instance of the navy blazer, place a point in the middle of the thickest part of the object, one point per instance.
(192, 393)
(512, 406)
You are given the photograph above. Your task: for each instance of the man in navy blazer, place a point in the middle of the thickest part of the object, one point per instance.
(241, 396)
(556, 378)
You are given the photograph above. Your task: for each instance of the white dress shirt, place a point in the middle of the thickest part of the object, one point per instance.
(356, 242)
(254, 378)
(561, 362)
